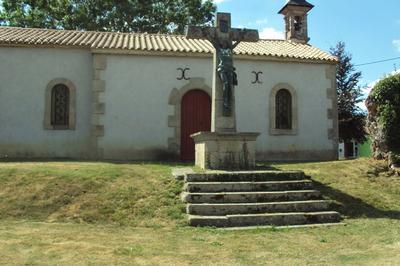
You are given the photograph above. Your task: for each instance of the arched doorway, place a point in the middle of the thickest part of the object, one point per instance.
(195, 117)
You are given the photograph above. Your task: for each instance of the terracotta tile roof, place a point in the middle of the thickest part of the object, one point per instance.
(10, 36)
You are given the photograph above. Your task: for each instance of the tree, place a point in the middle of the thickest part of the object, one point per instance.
(152, 16)
(351, 117)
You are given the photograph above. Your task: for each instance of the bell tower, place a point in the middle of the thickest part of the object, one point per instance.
(295, 12)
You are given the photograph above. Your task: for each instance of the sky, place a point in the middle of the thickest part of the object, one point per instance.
(370, 29)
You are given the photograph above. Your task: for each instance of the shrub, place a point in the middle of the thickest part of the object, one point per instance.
(384, 107)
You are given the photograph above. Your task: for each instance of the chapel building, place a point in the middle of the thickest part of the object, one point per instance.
(135, 96)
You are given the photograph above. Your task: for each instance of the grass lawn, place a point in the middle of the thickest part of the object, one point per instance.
(118, 213)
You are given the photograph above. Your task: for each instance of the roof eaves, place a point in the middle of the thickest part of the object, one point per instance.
(296, 3)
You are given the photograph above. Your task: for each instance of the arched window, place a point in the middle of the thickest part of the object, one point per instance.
(60, 106)
(283, 109)
(283, 119)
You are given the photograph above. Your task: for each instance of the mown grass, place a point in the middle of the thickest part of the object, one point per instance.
(69, 213)
(124, 194)
(361, 242)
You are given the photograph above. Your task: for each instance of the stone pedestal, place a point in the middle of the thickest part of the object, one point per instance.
(225, 151)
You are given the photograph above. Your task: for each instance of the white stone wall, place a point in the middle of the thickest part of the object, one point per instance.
(137, 110)
(24, 75)
(310, 83)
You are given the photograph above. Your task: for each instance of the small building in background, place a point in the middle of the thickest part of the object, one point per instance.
(354, 149)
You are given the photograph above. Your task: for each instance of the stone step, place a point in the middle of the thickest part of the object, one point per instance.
(247, 176)
(208, 209)
(251, 197)
(247, 186)
(274, 219)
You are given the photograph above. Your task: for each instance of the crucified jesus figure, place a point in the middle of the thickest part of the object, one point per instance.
(227, 73)
(224, 39)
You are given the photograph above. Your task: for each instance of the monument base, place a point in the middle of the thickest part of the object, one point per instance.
(225, 151)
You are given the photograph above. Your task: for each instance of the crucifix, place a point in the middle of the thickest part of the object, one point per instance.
(224, 39)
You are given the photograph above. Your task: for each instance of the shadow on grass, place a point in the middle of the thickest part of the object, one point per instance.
(352, 207)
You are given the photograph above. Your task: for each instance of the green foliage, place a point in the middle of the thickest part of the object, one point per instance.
(351, 117)
(386, 94)
(152, 16)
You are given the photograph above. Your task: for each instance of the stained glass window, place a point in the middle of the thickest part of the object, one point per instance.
(283, 111)
(60, 106)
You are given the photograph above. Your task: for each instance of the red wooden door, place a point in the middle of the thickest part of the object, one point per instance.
(195, 117)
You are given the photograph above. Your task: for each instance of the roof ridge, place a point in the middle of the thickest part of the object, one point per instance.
(93, 31)
(11, 36)
(273, 40)
(122, 33)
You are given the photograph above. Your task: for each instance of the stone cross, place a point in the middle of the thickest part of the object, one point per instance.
(224, 39)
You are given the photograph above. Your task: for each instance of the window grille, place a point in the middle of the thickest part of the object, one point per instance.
(60, 106)
(283, 110)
